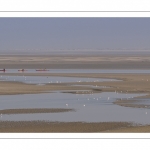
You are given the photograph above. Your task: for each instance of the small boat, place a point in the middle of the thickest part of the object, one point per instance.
(41, 69)
(21, 70)
(2, 70)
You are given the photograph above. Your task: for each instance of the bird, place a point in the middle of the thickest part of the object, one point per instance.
(66, 104)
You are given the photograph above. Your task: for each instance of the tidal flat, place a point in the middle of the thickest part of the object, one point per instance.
(91, 94)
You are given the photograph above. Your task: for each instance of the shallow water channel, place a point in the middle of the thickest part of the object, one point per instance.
(89, 107)
(96, 107)
(50, 79)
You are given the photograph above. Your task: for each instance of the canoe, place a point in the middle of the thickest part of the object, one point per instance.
(41, 70)
(2, 70)
(21, 70)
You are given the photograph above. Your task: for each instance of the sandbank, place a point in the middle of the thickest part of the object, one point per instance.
(74, 62)
(59, 127)
(34, 110)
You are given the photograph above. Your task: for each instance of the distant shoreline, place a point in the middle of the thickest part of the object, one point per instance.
(80, 53)
(74, 62)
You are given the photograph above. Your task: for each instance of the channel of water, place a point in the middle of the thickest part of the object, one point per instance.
(97, 107)
(89, 107)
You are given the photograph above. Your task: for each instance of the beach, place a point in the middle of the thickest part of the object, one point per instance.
(127, 83)
(92, 61)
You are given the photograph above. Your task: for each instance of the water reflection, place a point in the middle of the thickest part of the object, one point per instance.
(40, 80)
(96, 107)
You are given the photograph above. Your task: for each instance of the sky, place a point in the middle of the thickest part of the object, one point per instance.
(52, 34)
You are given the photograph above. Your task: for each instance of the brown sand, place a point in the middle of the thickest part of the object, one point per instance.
(134, 129)
(60, 127)
(131, 103)
(75, 62)
(34, 110)
(9, 88)
(131, 83)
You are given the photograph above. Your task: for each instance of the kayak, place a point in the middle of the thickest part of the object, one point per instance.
(21, 70)
(2, 70)
(41, 70)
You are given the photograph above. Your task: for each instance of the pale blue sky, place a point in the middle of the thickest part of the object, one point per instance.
(46, 34)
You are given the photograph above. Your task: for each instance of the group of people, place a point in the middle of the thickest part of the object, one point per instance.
(3, 70)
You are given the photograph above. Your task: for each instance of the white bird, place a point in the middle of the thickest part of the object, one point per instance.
(108, 98)
(84, 105)
(66, 104)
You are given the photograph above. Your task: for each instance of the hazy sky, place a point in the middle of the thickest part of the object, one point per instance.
(43, 34)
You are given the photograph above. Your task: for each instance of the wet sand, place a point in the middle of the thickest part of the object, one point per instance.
(131, 103)
(60, 127)
(71, 127)
(34, 110)
(131, 83)
(134, 129)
